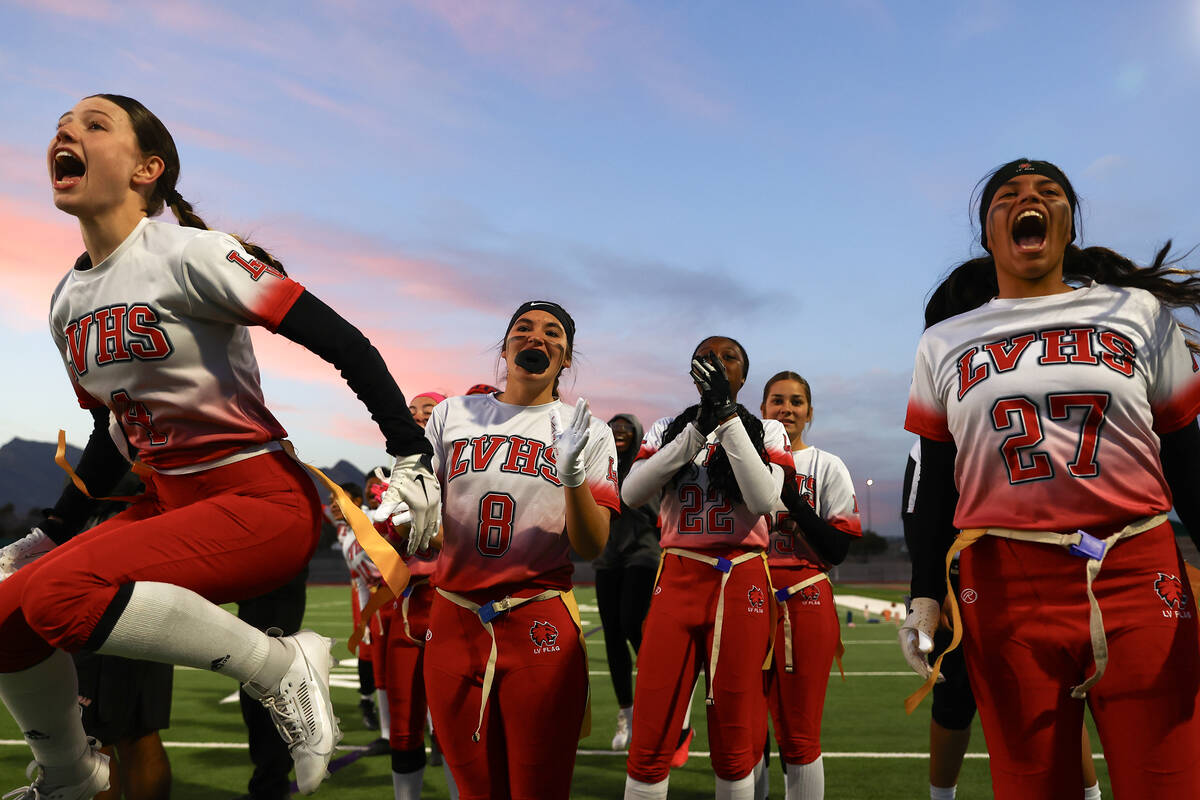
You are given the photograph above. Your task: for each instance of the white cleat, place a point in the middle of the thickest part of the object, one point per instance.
(23, 551)
(94, 782)
(301, 709)
(620, 739)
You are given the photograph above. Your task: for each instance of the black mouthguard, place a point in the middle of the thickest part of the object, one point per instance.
(534, 361)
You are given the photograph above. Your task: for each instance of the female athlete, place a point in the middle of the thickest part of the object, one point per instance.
(718, 471)
(151, 323)
(524, 478)
(1063, 410)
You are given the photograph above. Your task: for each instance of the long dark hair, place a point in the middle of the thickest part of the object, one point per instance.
(720, 470)
(973, 282)
(155, 140)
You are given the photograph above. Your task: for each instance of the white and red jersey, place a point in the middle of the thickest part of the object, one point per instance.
(156, 332)
(825, 484)
(503, 506)
(695, 516)
(1054, 404)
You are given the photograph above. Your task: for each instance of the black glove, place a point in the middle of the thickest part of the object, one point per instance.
(716, 396)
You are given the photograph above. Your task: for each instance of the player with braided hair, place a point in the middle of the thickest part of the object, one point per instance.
(1058, 425)
(152, 324)
(718, 471)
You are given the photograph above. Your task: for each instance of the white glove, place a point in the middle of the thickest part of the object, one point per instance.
(916, 635)
(360, 564)
(412, 483)
(569, 443)
(23, 551)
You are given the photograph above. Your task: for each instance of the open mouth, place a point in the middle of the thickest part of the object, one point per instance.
(68, 169)
(1029, 230)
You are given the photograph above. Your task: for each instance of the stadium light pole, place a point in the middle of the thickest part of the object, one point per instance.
(870, 524)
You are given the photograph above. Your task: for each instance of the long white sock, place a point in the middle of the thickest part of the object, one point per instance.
(174, 625)
(451, 786)
(385, 714)
(741, 789)
(942, 792)
(44, 702)
(806, 781)
(407, 785)
(762, 780)
(1092, 792)
(636, 790)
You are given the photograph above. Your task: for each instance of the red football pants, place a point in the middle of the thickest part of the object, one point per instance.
(535, 712)
(1025, 615)
(227, 533)
(676, 641)
(406, 673)
(797, 698)
(381, 630)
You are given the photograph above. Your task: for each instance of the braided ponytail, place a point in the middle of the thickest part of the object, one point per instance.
(155, 140)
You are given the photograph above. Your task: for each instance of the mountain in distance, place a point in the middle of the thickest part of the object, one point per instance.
(29, 478)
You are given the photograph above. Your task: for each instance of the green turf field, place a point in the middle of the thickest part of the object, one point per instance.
(872, 750)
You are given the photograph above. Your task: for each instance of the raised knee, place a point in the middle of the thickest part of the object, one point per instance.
(54, 606)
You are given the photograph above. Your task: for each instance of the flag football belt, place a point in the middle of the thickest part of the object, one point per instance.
(1081, 544)
(405, 596)
(489, 611)
(782, 596)
(392, 567)
(724, 566)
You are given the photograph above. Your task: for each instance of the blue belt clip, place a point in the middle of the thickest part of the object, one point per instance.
(782, 595)
(489, 611)
(407, 591)
(723, 564)
(1087, 547)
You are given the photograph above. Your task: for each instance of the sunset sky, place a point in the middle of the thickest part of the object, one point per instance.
(794, 175)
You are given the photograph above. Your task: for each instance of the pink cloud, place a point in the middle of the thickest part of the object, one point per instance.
(36, 250)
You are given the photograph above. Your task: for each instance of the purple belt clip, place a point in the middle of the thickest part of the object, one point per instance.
(1087, 547)
(723, 564)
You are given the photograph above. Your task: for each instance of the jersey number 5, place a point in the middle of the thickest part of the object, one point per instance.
(495, 524)
(1023, 415)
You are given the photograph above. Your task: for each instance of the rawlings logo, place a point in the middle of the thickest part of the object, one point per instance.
(1170, 589)
(544, 636)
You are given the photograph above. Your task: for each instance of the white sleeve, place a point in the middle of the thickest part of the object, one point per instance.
(433, 432)
(226, 284)
(649, 474)
(1174, 390)
(760, 482)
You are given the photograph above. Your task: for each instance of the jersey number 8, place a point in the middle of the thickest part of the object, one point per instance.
(495, 524)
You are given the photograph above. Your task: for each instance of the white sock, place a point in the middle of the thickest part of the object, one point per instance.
(740, 789)
(451, 786)
(942, 793)
(44, 702)
(1092, 792)
(806, 781)
(174, 625)
(636, 790)
(407, 785)
(762, 780)
(385, 714)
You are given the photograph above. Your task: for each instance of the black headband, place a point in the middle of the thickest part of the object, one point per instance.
(554, 309)
(1022, 166)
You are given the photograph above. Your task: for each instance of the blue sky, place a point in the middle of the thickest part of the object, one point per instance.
(797, 176)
